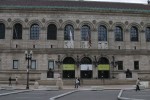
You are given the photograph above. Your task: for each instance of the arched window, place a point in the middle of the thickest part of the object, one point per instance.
(68, 60)
(52, 32)
(85, 33)
(134, 33)
(2, 31)
(103, 60)
(147, 32)
(86, 60)
(17, 31)
(34, 32)
(102, 33)
(118, 33)
(68, 32)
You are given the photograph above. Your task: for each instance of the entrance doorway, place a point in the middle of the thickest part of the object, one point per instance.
(50, 73)
(103, 74)
(68, 74)
(68, 68)
(86, 74)
(103, 68)
(86, 68)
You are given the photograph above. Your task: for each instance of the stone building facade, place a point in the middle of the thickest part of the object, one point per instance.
(100, 52)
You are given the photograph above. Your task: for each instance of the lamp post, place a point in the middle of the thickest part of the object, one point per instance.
(95, 62)
(59, 62)
(28, 57)
(114, 64)
(77, 61)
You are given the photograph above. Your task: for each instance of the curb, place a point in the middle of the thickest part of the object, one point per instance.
(64, 94)
(124, 98)
(4, 94)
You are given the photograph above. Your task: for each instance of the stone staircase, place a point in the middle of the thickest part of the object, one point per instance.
(90, 82)
(82, 82)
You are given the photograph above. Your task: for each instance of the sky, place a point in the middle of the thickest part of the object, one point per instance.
(127, 1)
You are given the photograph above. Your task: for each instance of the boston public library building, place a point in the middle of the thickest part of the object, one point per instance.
(67, 39)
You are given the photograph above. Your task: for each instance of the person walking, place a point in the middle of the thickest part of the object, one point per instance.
(76, 83)
(79, 81)
(137, 85)
(10, 81)
(16, 80)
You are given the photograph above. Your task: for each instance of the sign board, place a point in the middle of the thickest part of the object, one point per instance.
(86, 67)
(68, 67)
(103, 67)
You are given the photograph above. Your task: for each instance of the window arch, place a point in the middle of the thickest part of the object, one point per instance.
(17, 31)
(102, 33)
(52, 32)
(147, 32)
(134, 33)
(118, 33)
(103, 60)
(85, 33)
(2, 31)
(68, 60)
(86, 60)
(34, 32)
(67, 35)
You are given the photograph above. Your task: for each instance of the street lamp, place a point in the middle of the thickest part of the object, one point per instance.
(77, 61)
(114, 64)
(59, 62)
(28, 57)
(95, 62)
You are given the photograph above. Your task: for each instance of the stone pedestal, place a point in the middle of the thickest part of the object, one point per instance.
(59, 83)
(36, 85)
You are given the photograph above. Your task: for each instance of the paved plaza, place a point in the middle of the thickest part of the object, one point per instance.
(110, 92)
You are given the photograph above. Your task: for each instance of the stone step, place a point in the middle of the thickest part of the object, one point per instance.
(97, 88)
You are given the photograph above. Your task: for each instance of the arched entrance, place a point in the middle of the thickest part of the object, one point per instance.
(68, 67)
(103, 68)
(86, 68)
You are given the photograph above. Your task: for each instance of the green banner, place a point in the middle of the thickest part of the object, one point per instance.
(68, 67)
(103, 67)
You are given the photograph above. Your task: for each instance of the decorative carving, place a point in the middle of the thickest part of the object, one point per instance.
(9, 19)
(26, 20)
(127, 30)
(60, 20)
(94, 21)
(142, 23)
(110, 30)
(43, 20)
(126, 23)
(142, 31)
(110, 22)
(77, 21)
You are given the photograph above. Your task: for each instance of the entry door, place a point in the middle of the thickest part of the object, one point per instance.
(68, 74)
(103, 74)
(86, 74)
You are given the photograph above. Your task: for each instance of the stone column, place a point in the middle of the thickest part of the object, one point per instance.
(8, 36)
(110, 39)
(60, 38)
(127, 39)
(94, 72)
(94, 39)
(142, 40)
(77, 38)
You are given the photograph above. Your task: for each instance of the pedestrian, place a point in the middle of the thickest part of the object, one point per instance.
(137, 85)
(10, 81)
(79, 81)
(16, 80)
(76, 83)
